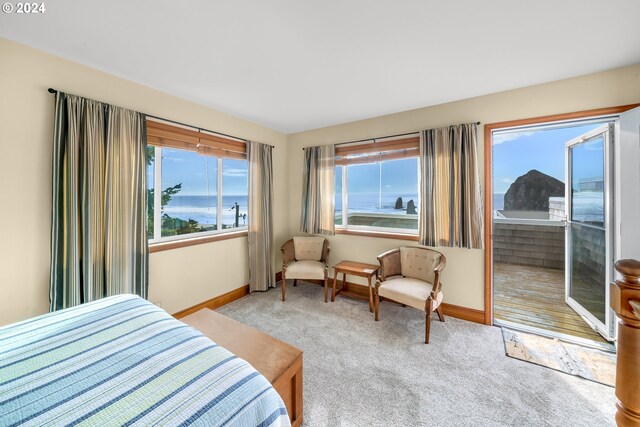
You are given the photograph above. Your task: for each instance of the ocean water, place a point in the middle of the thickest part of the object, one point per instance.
(203, 208)
(588, 206)
(371, 202)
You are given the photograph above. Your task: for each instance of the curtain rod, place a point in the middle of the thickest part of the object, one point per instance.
(54, 91)
(379, 137)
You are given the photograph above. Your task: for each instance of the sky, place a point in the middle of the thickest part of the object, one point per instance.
(517, 152)
(514, 154)
(398, 177)
(198, 173)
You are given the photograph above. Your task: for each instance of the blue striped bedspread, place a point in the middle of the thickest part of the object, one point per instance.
(123, 361)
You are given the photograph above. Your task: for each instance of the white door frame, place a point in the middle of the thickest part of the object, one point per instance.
(627, 190)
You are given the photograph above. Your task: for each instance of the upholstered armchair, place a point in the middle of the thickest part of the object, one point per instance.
(411, 276)
(305, 258)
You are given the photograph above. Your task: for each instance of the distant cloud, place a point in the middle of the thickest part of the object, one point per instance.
(501, 138)
(234, 172)
(173, 159)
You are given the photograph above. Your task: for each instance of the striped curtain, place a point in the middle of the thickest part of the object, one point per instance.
(261, 256)
(450, 201)
(318, 190)
(98, 234)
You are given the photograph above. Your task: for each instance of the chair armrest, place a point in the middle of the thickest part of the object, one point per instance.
(389, 264)
(326, 248)
(288, 252)
(441, 264)
(437, 284)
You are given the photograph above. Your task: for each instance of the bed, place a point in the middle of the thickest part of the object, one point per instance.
(123, 361)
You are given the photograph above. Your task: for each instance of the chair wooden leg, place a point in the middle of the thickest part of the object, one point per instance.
(427, 327)
(440, 313)
(377, 306)
(333, 292)
(326, 290)
(370, 296)
(284, 289)
(295, 282)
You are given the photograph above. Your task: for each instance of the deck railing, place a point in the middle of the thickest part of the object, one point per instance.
(371, 219)
(530, 242)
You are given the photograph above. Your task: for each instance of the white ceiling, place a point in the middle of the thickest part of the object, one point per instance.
(294, 65)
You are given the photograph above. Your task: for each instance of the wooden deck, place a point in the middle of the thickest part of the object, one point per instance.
(534, 296)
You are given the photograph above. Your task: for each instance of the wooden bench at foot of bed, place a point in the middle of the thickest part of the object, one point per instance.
(278, 361)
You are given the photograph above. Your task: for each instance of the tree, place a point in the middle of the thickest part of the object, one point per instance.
(188, 227)
(165, 198)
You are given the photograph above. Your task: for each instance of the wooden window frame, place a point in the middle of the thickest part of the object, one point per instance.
(488, 183)
(165, 135)
(197, 240)
(378, 234)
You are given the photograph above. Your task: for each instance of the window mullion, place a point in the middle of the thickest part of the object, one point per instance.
(418, 187)
(219, 196)
(380, 185)
(157, 194)
(345, 197)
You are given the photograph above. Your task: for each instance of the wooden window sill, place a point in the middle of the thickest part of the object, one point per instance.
(378, 234)
(175, 244)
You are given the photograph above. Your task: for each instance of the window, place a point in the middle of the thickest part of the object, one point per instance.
(151, 164)
(234, 193)
(377, 186)
(201, 182)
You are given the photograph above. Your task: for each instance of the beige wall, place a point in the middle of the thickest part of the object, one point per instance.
(178, 278)
(463, 278)
(183, 277)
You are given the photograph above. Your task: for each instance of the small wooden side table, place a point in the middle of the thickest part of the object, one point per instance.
(357, 269)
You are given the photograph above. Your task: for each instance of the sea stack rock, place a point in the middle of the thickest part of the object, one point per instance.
(398, 203)
(411, 207)
(531, 192)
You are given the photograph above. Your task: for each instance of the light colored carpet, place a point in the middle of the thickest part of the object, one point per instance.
(588, 363)
(358, 372)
